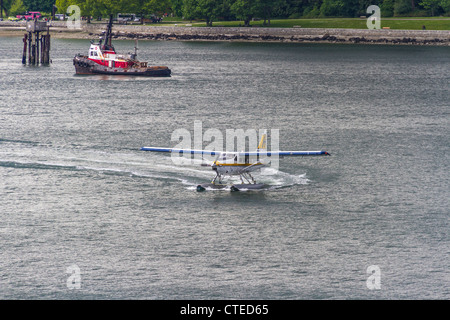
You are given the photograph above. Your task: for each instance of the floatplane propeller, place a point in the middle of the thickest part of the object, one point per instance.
(237, 163)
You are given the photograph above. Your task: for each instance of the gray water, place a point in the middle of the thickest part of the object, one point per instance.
(78, 194)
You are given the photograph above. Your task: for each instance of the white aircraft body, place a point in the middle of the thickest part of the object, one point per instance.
(237, 163)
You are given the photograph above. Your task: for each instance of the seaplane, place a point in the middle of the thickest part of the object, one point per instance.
(237, 164)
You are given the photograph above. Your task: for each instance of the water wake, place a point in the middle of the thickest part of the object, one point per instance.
(135, 164)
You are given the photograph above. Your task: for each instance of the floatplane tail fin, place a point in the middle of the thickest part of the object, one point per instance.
(263, 143)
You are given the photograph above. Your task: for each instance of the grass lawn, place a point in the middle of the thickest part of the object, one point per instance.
(436, 23)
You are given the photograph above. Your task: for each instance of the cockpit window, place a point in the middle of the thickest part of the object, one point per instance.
(228, 156)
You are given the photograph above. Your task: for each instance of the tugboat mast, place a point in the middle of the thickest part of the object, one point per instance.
(108, 35)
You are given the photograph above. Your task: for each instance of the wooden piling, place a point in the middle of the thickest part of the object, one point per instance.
(47, 49)
(29, 47)
(37, 40)
(37, 44)
(33, 50)
(24, 54)
(42, 48)
(33, 54)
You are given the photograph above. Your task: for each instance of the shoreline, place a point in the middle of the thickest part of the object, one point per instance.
(244, 34)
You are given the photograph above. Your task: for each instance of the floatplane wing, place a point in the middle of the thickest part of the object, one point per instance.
(252, 153)
(285, 153)
(261, 151)
(184, 151)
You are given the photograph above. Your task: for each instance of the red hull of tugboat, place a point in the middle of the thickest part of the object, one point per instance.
(83, 65)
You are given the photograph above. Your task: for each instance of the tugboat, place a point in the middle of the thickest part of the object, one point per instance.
(103, 59)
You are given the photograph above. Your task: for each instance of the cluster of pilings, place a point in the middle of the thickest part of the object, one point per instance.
(36, 43)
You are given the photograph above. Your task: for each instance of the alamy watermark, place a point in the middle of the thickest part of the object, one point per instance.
(74, 280)
(234, 140)
(74, 20)
(374, 21)
(374, 280)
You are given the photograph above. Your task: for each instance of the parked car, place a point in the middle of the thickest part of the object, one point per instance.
(125, 17)
(29, 16)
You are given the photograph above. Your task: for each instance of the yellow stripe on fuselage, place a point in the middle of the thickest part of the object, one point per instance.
(236, 164)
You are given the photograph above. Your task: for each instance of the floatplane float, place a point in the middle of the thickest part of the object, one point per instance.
(237, 164)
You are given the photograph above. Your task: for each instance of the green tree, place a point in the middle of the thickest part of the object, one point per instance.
(39, 5)
(402, 7)
(387, 8)
(93, 7)
(158, 7)
(332, 8)
(62, 5)
(209, 10)
(312, 8)
(6, 5)
(445, 4)
(90, 8)
(266, 8)
(433, 5)
(17, 7)
(177, 7)
(245, 10)
(141, 7)
(190, 9)
(102, 7)
(359, 7)
(291, 8)
(226, 11)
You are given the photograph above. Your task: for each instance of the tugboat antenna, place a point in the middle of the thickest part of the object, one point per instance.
(135, 47)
